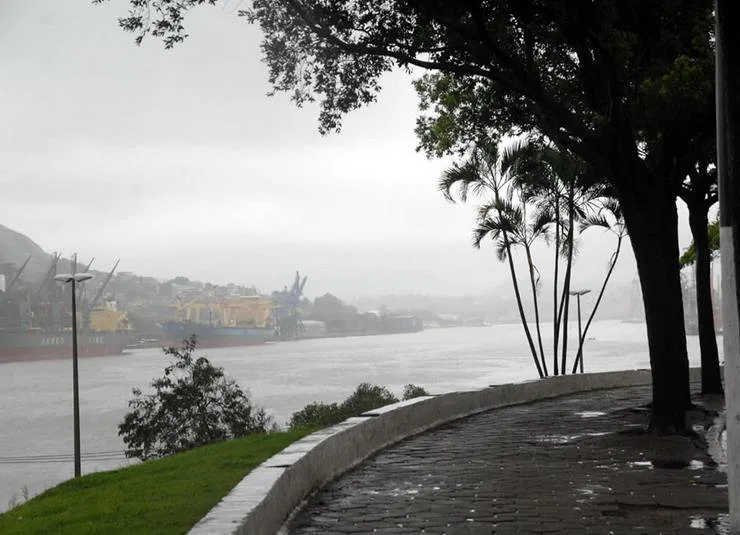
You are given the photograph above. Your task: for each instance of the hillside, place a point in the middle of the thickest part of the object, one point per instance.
(16, 247)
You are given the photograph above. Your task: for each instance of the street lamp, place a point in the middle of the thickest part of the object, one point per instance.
(578, 294)
(75, 278)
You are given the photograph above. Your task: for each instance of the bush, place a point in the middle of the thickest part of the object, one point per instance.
(413, 391)
(193, 404)
(365, 398)
(317, 415)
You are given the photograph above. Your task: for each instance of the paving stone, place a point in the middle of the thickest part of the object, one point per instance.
(536, 468)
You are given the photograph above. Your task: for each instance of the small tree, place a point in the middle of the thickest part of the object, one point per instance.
(193, 404)
(414, 391)
(365, 398)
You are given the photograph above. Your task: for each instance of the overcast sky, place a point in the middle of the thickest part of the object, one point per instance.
(178, 163)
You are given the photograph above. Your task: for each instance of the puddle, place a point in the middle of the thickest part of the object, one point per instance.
(719, 524)
(641, 464)
(557, 439)
(696, 465)
(680, 464)
(590, 414)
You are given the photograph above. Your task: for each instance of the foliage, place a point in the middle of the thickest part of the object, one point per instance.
(164, 496)
(573, 71)
(689, 255)
(329, 307)
(365, 398)
(317, 415)
(413, 391)
(533, 190)
(193, 404)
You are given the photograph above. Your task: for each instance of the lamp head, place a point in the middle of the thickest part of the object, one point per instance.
(69, 277)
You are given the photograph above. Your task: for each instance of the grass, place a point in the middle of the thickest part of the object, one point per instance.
(163, 496)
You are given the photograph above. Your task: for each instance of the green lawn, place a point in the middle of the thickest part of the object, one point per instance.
(163, 496)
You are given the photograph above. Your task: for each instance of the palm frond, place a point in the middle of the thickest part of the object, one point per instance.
(501, 251)
(594, 220)
(466, 177)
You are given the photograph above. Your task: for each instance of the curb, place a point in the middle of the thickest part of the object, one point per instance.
(262, 501)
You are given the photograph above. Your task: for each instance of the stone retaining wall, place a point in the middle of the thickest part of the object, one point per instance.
(264, 499)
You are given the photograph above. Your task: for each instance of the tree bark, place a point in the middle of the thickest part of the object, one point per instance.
(533, 282)
(555, 316)
(612, 264)
(711, 379)
(520, 306)
(566, 283)
(651, 217)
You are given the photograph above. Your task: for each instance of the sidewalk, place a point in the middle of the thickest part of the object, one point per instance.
(577, 464)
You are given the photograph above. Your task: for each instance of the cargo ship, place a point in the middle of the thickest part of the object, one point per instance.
(212, 336)
(35, 323)
(28, 345)
(232, 321)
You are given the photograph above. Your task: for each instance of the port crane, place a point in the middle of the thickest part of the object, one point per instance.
(287, 317)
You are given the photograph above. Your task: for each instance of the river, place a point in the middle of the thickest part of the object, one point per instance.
(36, 442)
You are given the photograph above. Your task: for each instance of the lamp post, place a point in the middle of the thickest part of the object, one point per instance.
(74, 279)
(578, 294)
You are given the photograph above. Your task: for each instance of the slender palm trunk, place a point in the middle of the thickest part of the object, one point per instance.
(522, 315)
(536, 307)
(555, 314)
(711, 378)
(566, 282)
(615, 257)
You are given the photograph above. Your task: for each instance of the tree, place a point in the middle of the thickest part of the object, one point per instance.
(193, 404)
(609, 217)
(487, 172)
(602, 79)
(366, 397)
(699, 192)
(688, 257)
(561, 185)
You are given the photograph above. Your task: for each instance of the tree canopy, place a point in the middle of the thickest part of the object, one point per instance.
(579, 72)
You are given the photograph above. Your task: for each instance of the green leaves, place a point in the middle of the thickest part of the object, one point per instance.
(365, 398)
(689, 255)
(193, 404)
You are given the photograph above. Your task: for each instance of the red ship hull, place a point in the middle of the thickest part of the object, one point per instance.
(23, 346)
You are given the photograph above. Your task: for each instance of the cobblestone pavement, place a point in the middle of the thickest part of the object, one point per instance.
(576, 464)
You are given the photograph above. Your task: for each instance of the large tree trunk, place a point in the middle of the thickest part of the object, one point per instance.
(652, 222)
(711, 379)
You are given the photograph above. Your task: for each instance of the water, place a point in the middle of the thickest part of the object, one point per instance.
(36, 397)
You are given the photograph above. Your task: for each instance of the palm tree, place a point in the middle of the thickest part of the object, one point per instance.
(608, 216)
(485, 174)
(508, 225)
(560, 184)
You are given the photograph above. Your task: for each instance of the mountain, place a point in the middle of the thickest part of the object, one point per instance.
(16, 247)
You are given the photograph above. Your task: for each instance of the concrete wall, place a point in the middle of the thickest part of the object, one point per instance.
(264, 499)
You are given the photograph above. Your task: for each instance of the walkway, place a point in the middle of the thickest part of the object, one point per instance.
(577, 464)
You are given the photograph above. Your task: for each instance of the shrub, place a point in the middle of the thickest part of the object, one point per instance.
(365, 398)
(413, 391)
(317, 415)
(193, 404)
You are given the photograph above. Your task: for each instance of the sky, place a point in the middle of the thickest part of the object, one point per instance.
(178, 163)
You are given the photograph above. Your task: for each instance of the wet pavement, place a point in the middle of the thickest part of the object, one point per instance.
(576, 464)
